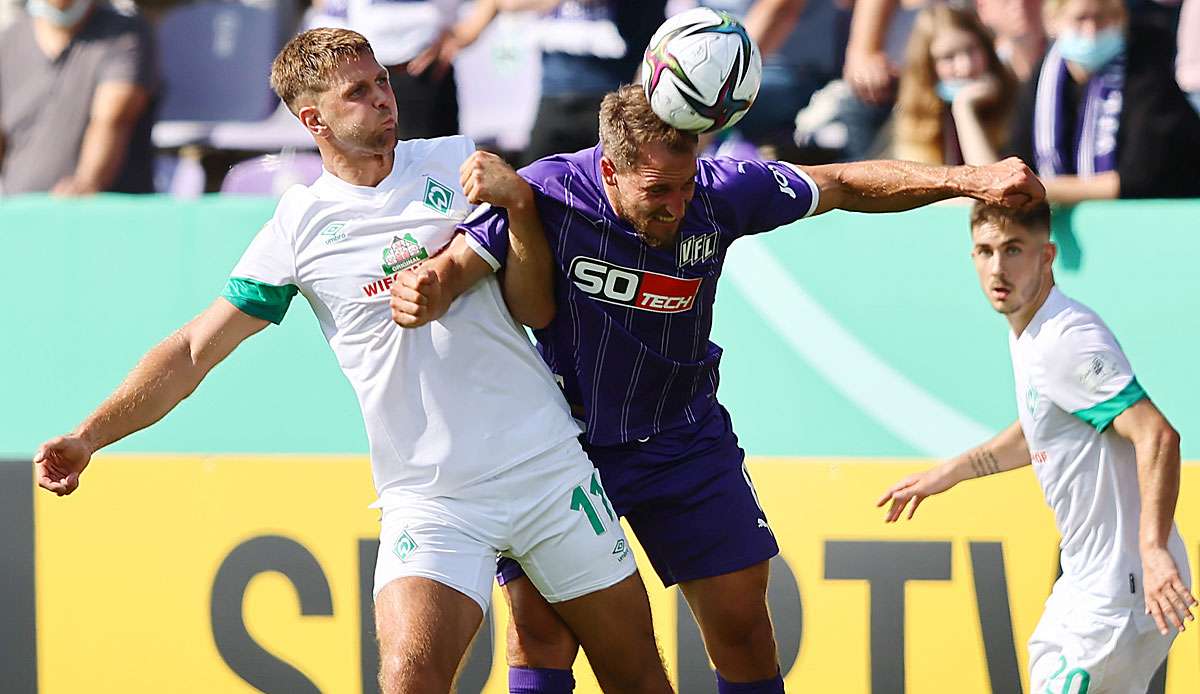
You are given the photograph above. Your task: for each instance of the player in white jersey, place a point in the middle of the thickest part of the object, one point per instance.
(473, 448)
(1107, 460)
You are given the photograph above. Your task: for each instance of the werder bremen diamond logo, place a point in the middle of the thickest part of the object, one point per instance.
(406, 546)
(438, 197)
(402, 253)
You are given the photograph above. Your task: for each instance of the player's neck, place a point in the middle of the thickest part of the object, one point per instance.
(1019, 320)
(356, 169)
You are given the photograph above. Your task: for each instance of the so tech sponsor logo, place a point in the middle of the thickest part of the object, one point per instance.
(640, 289)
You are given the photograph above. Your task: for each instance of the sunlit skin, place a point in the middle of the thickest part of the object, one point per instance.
(354, 121)
(957, 55)
(1014, 265)
(652, 195)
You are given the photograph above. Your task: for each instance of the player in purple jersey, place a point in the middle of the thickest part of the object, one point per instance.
(639, 229)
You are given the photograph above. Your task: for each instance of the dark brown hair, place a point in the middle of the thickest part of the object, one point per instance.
(1035, 219)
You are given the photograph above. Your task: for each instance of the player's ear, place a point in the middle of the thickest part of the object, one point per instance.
(608, 171)
(311, 119)
(1049, 252)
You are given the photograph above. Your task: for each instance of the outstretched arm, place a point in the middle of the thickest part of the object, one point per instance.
(166, 375)
(893, 186)
(1005, 451)
(1156, 445)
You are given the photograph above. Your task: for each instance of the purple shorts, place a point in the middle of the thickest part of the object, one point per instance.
(688, 497)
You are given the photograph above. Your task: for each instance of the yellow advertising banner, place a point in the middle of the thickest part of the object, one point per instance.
(241, 573)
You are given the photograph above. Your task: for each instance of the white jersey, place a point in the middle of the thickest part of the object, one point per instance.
(447, 404)
(1072, 380)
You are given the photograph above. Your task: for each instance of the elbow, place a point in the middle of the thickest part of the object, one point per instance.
(1168, 437)
(1162, 439)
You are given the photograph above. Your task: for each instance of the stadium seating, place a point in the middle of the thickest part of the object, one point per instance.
(271, 174)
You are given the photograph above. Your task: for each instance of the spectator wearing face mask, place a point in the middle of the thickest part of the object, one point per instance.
(956, 97)
(77, 80)
(1104, 117)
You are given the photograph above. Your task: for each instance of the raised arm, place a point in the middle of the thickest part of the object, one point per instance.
(1005, 451)
(1156, 445)
(166, 375)
(894, 186)
(528, 267)
(770, 22)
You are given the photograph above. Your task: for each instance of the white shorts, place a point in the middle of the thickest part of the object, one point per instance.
(549, 513)
(1089, 650)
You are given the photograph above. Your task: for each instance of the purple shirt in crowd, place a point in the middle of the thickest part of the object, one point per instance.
(630, 338)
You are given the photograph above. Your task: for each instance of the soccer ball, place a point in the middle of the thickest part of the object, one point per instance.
(701, 71)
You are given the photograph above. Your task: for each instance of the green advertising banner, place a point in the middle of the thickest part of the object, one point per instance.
(845, 335)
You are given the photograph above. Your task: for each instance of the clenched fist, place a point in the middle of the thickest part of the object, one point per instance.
(1009, 183)
(417, 297)
(486, 178)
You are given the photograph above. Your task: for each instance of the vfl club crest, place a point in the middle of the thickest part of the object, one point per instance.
(402, 253)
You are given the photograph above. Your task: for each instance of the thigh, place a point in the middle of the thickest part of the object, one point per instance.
(1071, 651)
(571, 542)
(429, 539)
(537, 637)
(424, 629)
(731, 601)
(711, 525)
(614, 627)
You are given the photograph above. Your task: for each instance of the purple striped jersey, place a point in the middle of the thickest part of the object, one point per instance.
(630, 338)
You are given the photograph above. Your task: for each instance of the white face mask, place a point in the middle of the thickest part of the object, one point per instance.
(60, 18)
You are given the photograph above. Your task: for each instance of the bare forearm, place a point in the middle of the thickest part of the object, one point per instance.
(868, 24)
(769, 22)
(468, 30)
(1005, 451)
(102, 154)
(1068, 190)
(529, 269)
(972, 138)
(889, 186)
(1158, 463)
(161, 380)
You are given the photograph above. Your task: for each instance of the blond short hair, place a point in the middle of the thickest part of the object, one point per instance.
(1051, 8)
(627, 122)
(305, 64)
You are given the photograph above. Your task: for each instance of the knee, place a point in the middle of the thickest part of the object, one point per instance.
(744, 630)
(541, 644)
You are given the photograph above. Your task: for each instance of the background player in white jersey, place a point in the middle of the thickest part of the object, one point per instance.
(1108, 463)
(473, 449)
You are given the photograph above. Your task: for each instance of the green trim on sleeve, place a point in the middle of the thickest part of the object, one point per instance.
(259, 299)
(1102, 415)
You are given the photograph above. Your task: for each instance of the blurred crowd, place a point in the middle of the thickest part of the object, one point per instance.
(1101, 97)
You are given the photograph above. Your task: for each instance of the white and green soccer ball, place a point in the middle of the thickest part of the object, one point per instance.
(701, 71)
